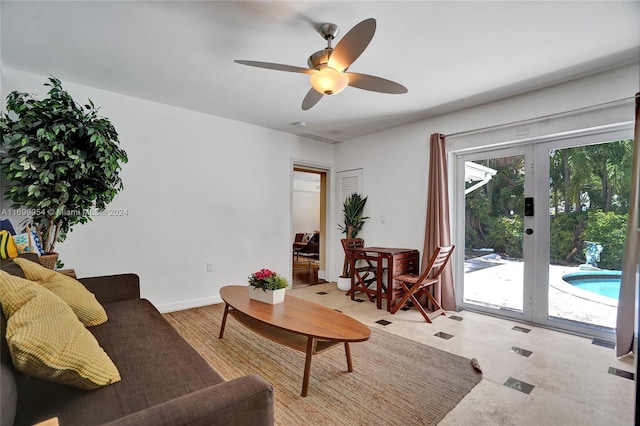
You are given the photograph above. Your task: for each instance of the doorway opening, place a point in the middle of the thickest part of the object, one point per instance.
(308, 202)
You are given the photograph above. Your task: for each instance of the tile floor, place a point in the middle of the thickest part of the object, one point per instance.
(531, 375)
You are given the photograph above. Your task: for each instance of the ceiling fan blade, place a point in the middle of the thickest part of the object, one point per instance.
(277, 67)
(374, 84)
(312, 98)
(351, 46)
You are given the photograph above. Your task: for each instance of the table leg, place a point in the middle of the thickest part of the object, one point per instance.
(352, 268)
(224, 320)
(347, 351)
(307, 365)
(379, 282)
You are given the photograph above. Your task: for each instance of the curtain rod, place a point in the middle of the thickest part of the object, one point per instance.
(542, 117)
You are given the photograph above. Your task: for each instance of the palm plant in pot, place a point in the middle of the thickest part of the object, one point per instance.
(352, 223)
(61, 161)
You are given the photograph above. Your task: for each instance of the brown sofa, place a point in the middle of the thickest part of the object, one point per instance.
(164, 380)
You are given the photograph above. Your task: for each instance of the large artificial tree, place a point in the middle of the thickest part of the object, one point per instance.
(61, 161)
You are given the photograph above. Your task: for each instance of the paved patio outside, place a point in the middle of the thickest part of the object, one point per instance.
(493, 281)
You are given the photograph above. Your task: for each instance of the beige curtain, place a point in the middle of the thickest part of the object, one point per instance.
(437, 231)
(629, 287)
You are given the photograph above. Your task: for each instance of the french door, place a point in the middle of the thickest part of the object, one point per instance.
(543, 229)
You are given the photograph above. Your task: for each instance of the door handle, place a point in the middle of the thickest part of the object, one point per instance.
(528, 231)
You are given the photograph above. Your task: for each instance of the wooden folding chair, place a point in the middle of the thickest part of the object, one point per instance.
(362, 277)
(413, 285)
(403, 264)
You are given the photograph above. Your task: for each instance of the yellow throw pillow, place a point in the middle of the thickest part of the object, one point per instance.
(8, 249)
(47, 341)
(81, 300)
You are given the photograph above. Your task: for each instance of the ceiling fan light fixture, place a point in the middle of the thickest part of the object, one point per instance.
(329, 81)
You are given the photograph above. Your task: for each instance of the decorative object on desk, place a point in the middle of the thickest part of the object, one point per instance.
(61, 161)
(353, 221)
(272, 285)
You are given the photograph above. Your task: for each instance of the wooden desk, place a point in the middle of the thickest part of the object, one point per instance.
(295, 323)
(390, 254)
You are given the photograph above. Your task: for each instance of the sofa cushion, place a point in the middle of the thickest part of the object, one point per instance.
(82, 302)
(46, 339)
(155, 362)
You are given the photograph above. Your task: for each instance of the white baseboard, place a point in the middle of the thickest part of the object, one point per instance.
(188, 304)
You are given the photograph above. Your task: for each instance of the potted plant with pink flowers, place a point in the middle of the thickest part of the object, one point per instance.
(272, 285)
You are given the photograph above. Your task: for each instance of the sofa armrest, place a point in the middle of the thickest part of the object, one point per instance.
(247, 400)
(113, 288)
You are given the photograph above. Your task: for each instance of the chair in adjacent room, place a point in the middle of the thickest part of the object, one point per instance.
(363, 271)
(298, 244)
(412, 286)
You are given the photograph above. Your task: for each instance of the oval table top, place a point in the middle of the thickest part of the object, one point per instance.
(297, 315)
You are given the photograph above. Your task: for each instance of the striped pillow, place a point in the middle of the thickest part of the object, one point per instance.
(8, 249)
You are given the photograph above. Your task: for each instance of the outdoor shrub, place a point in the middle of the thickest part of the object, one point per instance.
(477, 218)
(566, 234)
(505, 235)
(608, 229)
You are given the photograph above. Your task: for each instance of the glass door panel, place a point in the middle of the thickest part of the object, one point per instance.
(494, 202)
(559, 265)
(589, 188)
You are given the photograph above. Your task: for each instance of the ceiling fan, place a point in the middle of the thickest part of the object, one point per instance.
(328, 67)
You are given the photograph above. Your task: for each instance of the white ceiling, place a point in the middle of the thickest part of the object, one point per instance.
(449, 54)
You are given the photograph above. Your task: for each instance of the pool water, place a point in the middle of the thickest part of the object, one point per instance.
(604, 283)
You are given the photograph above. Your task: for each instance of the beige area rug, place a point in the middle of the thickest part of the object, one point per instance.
(395, 381)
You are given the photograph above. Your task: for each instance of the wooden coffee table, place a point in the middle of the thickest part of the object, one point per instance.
(295, 323)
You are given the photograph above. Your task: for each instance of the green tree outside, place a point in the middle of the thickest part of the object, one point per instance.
(589, 200)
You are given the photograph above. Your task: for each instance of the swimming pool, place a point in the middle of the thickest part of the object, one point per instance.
(604, 283)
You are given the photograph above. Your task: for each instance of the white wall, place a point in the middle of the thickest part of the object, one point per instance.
(195, 191)
(306, 211)
(395, 161)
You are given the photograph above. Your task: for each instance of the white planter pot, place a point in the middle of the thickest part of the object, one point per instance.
(267, 296)
(344, 284)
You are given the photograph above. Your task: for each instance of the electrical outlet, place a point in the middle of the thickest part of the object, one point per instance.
(209, 266)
